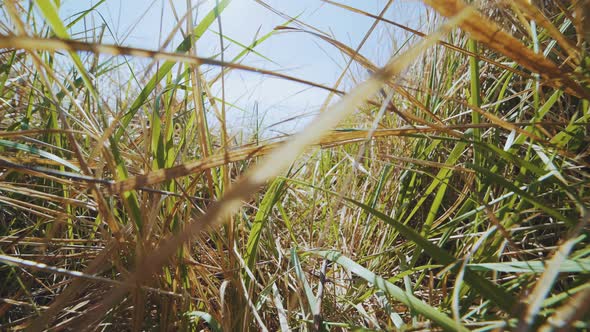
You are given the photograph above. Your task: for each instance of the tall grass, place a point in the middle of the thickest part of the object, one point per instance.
(446, 191)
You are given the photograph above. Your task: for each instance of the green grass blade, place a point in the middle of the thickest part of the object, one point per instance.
(571, 266)
(440, 180)
(184, 47)
(84, 13)
(395, 292)
(489, 290)
(206, 317)
(264, 209)
(50, 13)
(39, 152)
(495, 179)
(311, 300)
(475, 97)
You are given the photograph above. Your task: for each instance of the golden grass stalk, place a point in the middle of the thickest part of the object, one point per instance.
(491, 35)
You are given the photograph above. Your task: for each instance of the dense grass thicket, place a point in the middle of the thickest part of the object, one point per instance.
(450, 190)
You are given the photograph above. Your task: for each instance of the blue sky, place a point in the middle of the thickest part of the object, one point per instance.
(145, 23)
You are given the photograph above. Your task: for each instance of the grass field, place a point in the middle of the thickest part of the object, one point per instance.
(448, 191)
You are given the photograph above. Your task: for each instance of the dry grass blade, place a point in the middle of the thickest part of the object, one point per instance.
(39, 64)
(55, 44)
(76, 274)
(422, 34)
(564, 317)
(545, 282)
(140, 182)
(8, 134)
(274, 164)
(491, 35)
(76, 287)
(248, 152)
(582, 20)
(430, 164)
(144, 189)
(363, 61)
(538, 16)
(356, 52)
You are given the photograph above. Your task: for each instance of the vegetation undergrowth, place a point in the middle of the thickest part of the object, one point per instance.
(449, 190)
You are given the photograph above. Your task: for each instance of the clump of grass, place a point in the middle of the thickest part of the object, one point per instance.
(451, 195)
